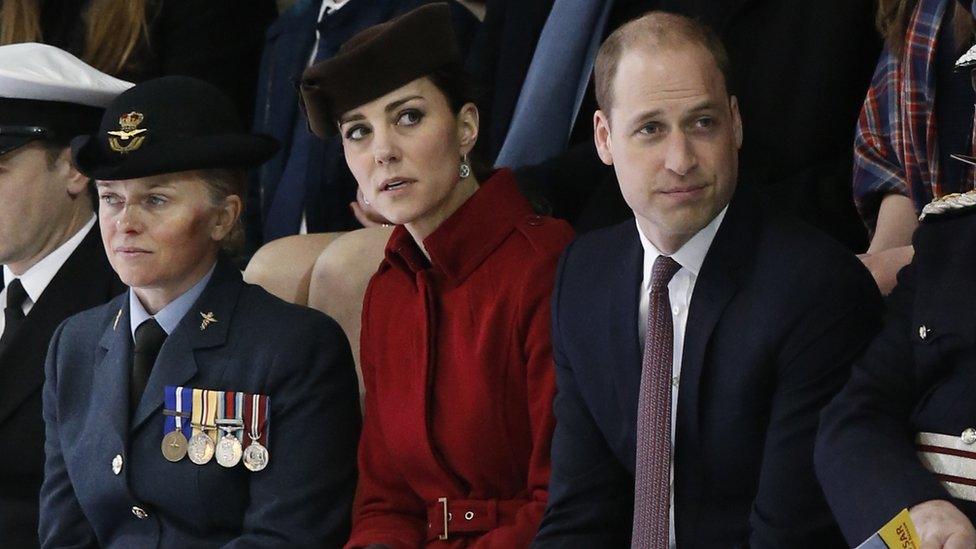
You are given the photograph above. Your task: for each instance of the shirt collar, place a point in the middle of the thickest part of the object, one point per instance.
(36, 279)
(170, 315)
(690, 256)
(462, 242)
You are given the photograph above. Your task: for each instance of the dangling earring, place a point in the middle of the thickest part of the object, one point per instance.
(465, 170)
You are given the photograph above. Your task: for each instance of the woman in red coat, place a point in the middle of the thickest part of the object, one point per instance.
(456, 354)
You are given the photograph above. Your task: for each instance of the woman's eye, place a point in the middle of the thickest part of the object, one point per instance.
(409, 117)
(110, 199)
(356, 133)
(155, 200)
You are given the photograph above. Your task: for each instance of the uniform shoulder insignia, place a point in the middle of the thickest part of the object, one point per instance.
(949, 203)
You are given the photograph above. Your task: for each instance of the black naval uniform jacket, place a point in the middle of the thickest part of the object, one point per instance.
(85, 280)
(258, 344)
(918, 375)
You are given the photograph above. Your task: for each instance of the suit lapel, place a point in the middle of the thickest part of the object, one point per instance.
(624, 297)
(177, 360)
(717, 283)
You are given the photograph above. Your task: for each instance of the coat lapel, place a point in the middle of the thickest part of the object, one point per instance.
(624, 347)
(110, 387)
(717, 283)
(177, 360)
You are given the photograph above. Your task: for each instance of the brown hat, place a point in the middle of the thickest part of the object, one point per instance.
(377, 61)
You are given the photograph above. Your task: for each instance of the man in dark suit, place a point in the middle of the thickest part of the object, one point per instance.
(748, 321)
(52, 256)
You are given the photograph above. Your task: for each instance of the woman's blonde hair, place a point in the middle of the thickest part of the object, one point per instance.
(113, 29)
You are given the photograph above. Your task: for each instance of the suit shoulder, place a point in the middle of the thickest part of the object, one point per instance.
(600, 244)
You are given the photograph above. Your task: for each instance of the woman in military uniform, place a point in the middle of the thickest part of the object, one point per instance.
(456, 355)
(194, 410)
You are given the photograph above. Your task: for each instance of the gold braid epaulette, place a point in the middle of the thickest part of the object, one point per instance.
(948, 203)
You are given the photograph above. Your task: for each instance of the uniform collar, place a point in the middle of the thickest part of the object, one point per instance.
(36, 279)
(169, 316)
(462, 242)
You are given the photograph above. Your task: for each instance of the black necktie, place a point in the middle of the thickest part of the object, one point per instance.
(13, 312)
(149, 338)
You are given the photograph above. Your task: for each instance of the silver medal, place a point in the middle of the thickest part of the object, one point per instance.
(255, 457)
(229, 451)
(201, 448)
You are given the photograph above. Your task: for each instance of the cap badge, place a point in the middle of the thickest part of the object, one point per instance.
(127, 138)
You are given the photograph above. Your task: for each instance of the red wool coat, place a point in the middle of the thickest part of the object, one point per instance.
(459, 378)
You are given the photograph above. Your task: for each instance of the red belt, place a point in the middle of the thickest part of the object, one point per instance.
(467, 516)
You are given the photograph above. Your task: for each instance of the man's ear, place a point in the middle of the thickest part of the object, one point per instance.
(736, 121)
(601, 136)
(76, 182)
(467, 123)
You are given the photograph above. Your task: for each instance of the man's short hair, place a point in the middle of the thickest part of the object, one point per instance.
(655, 29)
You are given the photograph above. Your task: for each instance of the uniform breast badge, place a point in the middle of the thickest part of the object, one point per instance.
(201, 446)
(231, 423)
(129, 137)
(208, 318)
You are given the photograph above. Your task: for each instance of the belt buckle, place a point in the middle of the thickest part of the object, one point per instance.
(443, 502)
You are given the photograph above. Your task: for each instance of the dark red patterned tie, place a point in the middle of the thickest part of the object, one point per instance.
(652, 477)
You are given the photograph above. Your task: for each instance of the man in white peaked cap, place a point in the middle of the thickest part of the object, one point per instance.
(52, 256)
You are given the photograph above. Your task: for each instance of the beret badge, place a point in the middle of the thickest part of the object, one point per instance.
(127, 138)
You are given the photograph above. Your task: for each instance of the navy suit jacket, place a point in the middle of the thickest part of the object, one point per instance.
(85, 280)
(259, 344)
(906, 384)
(778, 313)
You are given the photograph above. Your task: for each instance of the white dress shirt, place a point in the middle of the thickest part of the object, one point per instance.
(680, 289)
(36, 279)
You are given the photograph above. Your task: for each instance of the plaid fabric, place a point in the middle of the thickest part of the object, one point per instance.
(895, 144)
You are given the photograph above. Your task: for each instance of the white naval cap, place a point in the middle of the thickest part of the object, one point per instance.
(45, 73)
(48, 94)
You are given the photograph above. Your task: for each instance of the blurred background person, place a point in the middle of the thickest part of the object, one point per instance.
(918, 112)
(218, 41)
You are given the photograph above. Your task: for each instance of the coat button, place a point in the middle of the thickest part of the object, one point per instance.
(469, 515)
(968, 436)
(535, 220)
(140, 513)
(923, 332)
(117, 464)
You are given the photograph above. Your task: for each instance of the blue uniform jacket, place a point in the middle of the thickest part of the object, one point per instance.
(258, 344)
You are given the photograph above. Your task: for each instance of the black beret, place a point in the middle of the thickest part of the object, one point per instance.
(377, 61)
(166, 125)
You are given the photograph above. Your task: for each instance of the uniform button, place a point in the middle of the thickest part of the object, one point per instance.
(140, 513)
(535, 220)
(924, 331)
(469, 515)
(117, 464)
(968, 436)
